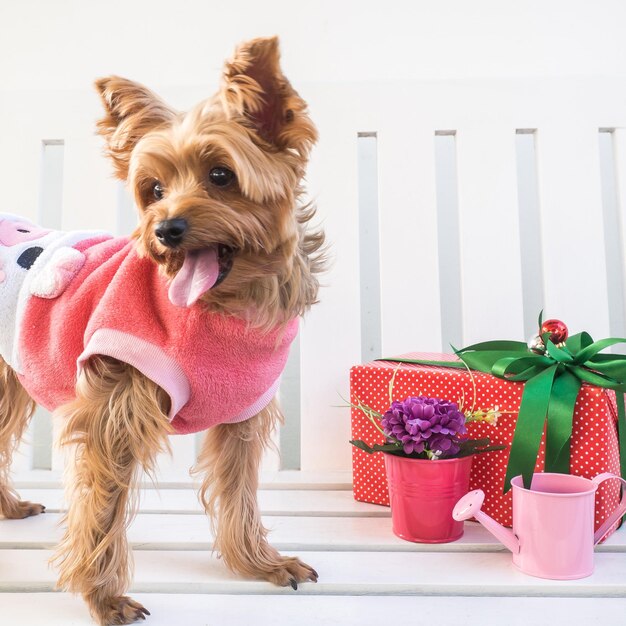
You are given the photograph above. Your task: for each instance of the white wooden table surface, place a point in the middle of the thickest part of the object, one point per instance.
(367, 575)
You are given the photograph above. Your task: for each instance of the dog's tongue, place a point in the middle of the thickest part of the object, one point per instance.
(197, 275)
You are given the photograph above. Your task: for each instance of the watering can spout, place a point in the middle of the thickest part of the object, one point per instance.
(469, 506)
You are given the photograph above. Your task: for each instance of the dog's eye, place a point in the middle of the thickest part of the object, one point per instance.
(221, 176)
(157, 190)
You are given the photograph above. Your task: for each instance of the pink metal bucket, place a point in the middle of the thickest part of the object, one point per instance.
(553, 522)
(422, 495)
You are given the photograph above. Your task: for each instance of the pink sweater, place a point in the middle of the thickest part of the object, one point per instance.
(111, 302)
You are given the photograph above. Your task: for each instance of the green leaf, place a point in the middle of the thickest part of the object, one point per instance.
(361, 445)
(387, 447)
(472, 451)
(494, 448)
(478, 442)
(478, 446)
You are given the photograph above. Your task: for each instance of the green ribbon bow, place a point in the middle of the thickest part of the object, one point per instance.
(553, 381)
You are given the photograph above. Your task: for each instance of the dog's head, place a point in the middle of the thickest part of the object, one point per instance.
(216, 187)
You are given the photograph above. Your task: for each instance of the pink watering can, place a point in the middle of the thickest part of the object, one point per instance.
(553, 522)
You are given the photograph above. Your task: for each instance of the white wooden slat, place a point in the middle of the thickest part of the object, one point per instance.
(59, 454)
(410, 298)
(290, 403)
(572, 225)
(23, 457)
(330, 334)
(284, 479)
(126, 214)
(448, 239)
(369, 246)
(530, 229)
(59, 609)
(613, 247)
(619, 152)
(271, 456)
(50, 212)
(489, 232)
(182, 458)
(276, 502)
(191, 532)
(42, 428)
(347, 573)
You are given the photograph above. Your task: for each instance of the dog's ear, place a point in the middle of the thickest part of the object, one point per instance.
(255, 87)
(131, 110)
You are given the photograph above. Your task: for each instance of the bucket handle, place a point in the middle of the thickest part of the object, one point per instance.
(621, 509)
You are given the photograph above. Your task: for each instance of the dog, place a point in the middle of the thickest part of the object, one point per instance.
(185, 326)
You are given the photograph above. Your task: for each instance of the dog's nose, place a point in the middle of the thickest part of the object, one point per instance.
(171, 232)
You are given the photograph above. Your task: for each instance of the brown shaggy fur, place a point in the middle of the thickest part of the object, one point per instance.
(257, 126)
(229, 496)
(16, 409)
(117, 425)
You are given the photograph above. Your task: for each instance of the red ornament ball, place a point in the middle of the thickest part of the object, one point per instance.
(557, 329)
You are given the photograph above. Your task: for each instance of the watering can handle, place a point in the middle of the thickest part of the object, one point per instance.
(621, 509)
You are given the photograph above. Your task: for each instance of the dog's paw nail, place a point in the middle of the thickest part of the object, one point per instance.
(315, 574)
(294, 584)
(145, 610)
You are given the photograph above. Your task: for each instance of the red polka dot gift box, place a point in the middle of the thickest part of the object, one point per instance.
(594, 440)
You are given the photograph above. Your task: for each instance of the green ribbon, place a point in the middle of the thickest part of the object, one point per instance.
(552, 382)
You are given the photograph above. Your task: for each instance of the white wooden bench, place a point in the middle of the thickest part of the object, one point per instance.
(465, 180)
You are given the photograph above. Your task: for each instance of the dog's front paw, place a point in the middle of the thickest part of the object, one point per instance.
(119, 610)
(23, 509)
(290, 571)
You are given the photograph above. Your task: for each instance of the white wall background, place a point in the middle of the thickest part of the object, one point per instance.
(63, 44)
(465, 226)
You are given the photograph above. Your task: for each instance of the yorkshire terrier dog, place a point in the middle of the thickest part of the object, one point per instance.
(182, 328)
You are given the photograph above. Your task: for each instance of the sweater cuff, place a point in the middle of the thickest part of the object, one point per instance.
(257, 406)
(149, 359)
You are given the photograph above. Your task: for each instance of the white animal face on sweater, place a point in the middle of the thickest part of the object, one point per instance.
(34, 262)
(15, 231)
(21, 245)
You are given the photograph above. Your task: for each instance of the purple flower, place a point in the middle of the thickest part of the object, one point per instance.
(422, 423)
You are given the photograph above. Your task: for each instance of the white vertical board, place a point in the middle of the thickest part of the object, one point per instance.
(572, 226)
(23, 456)
(369, 246)
(176, 467)
(530, 230)
(50, 210)
(448, 238)
(59, 454)
(411, 312)
(613, 242)
(489, 232)
(330, 334)
(619, 151)
(271, 457)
